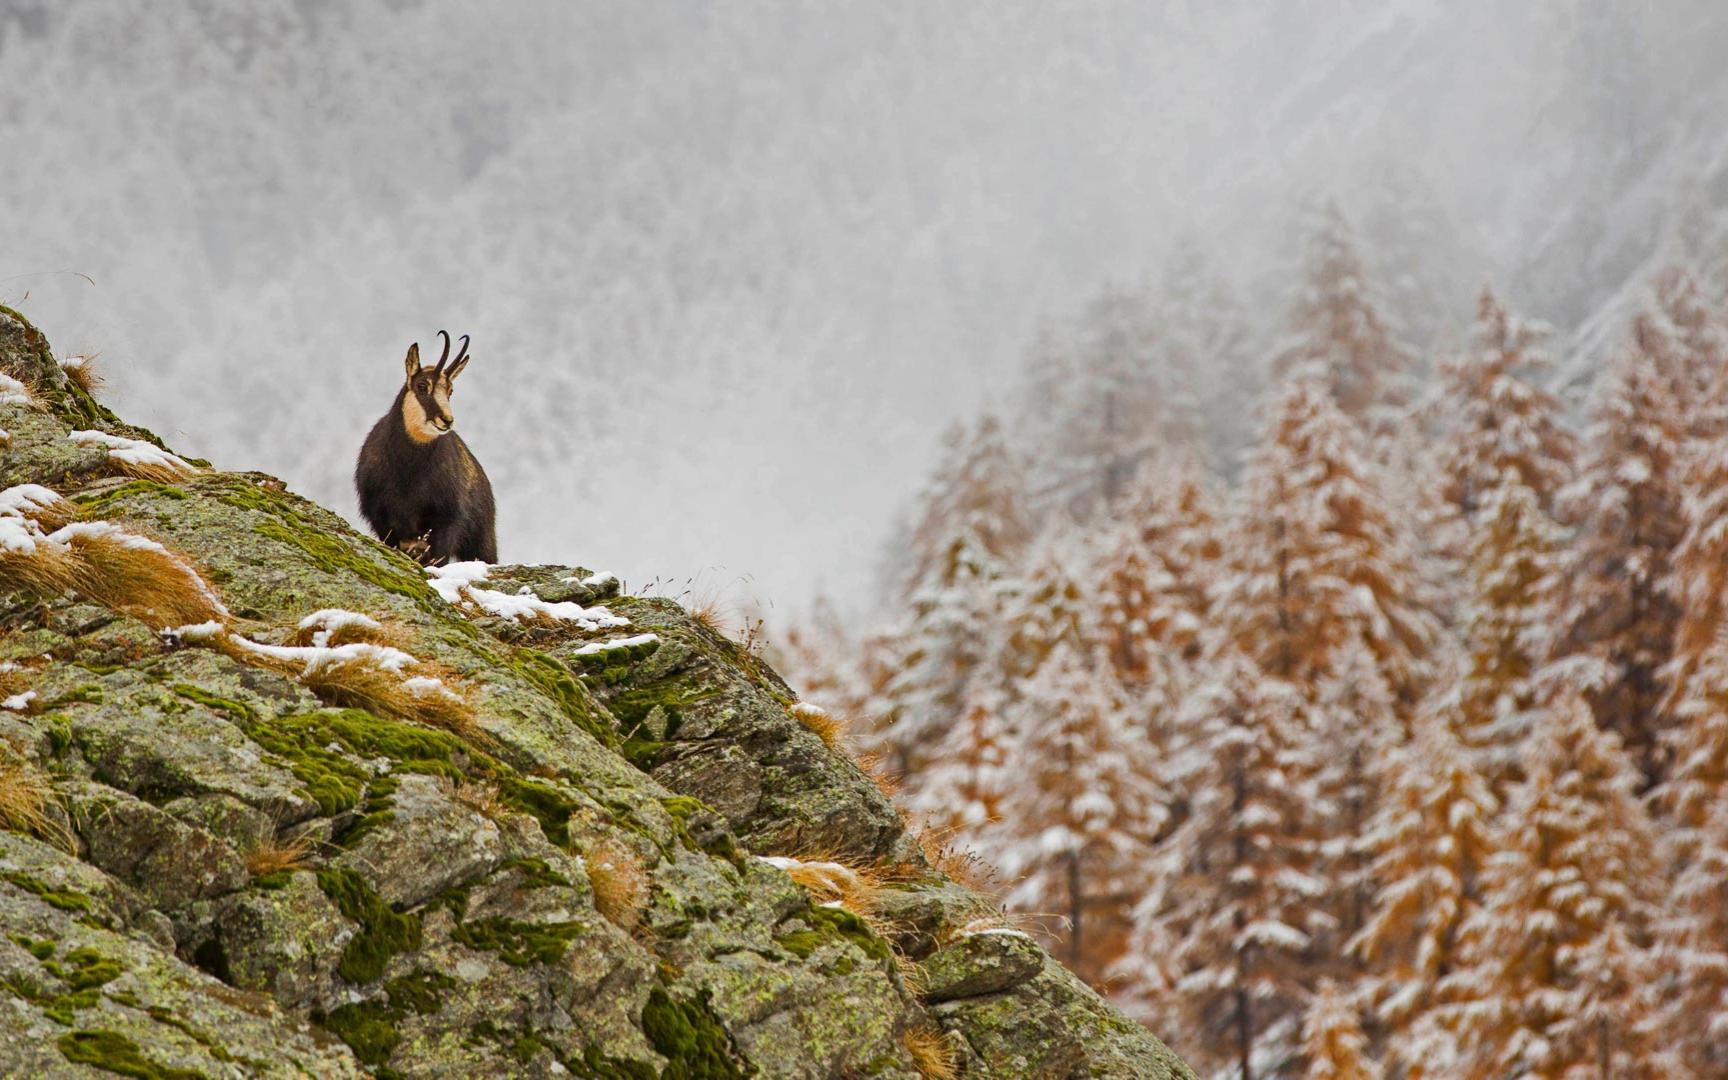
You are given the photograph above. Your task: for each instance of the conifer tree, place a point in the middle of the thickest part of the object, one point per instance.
(1238, 905)
(1429, 840)
(1203, 340)
(1627, 501)
(1555, 967)
(934, 654)
(975, 493)
(1097, 403)
(1338, 325)
(1513, 569)
(1694, 950)
(1317, 559)
(961, 790)
(1684, 334)
(1356, 726)
(1082, 810)
(1497, 417)
(1332, 1038)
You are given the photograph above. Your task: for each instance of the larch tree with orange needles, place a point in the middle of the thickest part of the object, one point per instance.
(1555, 968)
(975, 493)
(1428, 840)
(1497, 417)
(1618, 609)
(1682, 330)
(1332, 1038)
(1316, 558)
(1237, 904)
(1693, 949)
(1513, 569)
(934, 655)
(1338, 325)
(1084, 807)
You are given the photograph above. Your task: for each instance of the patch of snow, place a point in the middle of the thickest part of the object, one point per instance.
(28, 500)
(19, 536)
(593, 581)
(318, 657)
(803, 710)
(328, 621)
(19, 702)
(594, 647)
(133, 451)
(196, 633)
(13, 392)
(996, 931)
(459, 584)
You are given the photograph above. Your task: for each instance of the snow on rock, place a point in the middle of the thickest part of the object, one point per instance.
(19, 702)
(460, 585)
(13, 392)
(318, 657)
(28, 500)
(19, 536)
(328, 621)
(134, 451)
(594, 647)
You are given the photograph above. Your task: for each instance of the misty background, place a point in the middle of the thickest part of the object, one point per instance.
(731, 269)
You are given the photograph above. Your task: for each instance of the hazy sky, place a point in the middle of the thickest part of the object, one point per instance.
(730, 268)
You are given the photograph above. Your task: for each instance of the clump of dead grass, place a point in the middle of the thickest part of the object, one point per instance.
(83, 372)
(932, 1052)
(620, 883)
(827, 726)
(137, 458)
(274, 855)
(137, 576)
(423, 698)
(332, 627)
(27, 799)
(961, 864)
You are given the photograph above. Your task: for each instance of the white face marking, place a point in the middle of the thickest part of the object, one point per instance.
(415, 420)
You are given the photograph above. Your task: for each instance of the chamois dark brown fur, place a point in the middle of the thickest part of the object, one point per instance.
(420, 487)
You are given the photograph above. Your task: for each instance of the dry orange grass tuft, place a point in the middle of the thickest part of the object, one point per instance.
(26, 796)
(270, 856)
(39, 569)
(961, 864)
(137, 576)
(831, 729)
(871, 765)
(620, 883)
(83, 372)
(421, 697)
(932, 1052)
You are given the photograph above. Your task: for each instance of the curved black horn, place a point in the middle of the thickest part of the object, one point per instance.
(440, 368)
(461, 353)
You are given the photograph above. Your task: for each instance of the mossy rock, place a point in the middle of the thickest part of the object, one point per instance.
(271, 884)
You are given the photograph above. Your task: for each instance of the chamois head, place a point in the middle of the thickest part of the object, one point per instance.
(426, 397)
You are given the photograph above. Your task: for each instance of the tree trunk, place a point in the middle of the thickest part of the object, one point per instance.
(1074, 910)
(1244, 1035)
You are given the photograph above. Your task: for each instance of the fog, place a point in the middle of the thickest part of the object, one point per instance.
(730, 269)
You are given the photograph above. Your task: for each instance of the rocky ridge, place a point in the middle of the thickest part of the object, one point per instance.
(359, 822)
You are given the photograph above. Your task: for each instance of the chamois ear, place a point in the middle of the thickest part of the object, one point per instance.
(462, 359)
(412, 363)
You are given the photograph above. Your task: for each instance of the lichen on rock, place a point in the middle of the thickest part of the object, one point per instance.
(242, 873)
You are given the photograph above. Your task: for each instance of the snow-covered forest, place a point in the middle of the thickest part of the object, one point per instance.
(1386, 732)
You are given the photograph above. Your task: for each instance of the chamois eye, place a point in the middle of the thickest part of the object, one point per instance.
(421, 386)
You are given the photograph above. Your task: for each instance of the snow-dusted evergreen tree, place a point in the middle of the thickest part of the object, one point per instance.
(1694, 950)
(1556, 973)
(1083, 807)
(976, 493)
(1429, 840)
(961, 790)
(1338, 325)
(1627, 503)
(1357, 726)
(1203, 340)
(1317, 560)
(1682, 330)
(1513, 578)
(1150, 569)
(1333, 1040)
(932, 656)
(1238, 904)
(1096, 404)
(1497, 416)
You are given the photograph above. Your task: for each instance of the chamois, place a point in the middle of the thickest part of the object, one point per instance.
(421, 489)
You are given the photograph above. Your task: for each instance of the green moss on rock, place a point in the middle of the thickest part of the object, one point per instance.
(383, 932)
(115, 1053)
